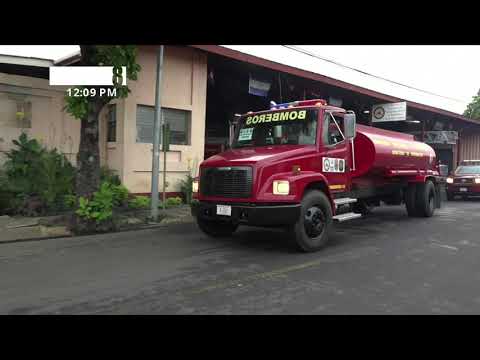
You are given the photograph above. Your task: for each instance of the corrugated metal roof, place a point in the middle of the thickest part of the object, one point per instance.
(24, 60)
(299, 58)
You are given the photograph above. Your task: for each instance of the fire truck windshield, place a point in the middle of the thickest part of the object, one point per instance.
(287, 127)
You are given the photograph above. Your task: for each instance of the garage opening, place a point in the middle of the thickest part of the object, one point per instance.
(236, 87)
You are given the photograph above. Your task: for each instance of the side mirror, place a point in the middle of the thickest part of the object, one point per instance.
(232, 126)
(443, 170)
(350, 125)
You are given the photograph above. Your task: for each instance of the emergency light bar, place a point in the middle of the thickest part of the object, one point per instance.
(274, 106)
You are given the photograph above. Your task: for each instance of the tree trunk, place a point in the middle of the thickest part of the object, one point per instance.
(88, 157)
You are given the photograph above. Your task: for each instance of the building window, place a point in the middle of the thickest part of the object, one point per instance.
(112, 123)
(15, 111)
(179, 121)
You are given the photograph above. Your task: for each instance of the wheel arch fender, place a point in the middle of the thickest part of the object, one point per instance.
(315, 181)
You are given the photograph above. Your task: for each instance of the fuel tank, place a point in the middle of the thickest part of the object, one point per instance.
(382, 152)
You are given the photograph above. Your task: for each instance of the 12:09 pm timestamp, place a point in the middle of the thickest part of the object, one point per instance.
(92, 92)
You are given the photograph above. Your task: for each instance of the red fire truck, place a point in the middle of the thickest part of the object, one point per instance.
(305, 164)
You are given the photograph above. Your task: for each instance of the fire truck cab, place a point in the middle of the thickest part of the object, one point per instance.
(305, 164)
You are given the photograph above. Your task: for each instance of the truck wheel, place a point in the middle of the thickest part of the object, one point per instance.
(450, 196)
(310, 233)
(410, 195)
(216, 228)
(425, 199)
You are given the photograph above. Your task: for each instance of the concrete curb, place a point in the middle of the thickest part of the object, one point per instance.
(145, 227)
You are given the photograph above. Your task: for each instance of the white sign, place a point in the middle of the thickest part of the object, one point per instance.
(389, 112)
(258, 87)
(84, 75)
(245, 134)
(441, 137)
(333, 165)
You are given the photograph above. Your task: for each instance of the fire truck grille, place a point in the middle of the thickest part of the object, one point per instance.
(228, 182)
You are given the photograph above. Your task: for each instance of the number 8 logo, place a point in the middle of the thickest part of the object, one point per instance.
(117, 76)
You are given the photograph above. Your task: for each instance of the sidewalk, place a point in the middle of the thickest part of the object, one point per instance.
(37, 228)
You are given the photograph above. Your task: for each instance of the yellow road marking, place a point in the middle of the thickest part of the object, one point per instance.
(282, 271)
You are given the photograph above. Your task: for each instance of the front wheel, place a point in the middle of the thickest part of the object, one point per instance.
(216, 228)
(310, 232)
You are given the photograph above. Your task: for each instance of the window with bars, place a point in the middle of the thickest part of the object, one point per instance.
(112, 123)
(179, 121)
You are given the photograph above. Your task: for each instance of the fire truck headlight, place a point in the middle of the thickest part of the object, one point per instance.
(477, 180)
(281, 187)
(449, 180)
(195, 186)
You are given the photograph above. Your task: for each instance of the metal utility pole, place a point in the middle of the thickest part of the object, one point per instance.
(156, 137)
(165, 148)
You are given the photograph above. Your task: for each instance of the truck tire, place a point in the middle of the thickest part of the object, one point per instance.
(410, 200)
(216, 228)
(425, 199)
(450, 196)
(310, 232)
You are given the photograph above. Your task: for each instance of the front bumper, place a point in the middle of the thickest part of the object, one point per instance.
(472, 189)
(249, 214)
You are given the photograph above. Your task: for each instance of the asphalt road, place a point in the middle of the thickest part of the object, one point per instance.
(384, 264)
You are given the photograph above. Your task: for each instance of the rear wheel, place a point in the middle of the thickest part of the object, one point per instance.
(310, 232)
(425, 199)
(410, 195)
(450, 196)
(216, 228)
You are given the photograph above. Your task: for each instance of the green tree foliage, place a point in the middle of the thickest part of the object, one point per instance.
(473, 109)
(87, 109)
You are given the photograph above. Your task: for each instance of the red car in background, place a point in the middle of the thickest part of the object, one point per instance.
(465, 181)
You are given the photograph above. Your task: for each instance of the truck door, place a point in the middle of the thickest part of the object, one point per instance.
(336, 153)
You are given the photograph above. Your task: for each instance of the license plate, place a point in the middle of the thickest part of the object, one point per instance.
(225, 210)
(463, 189)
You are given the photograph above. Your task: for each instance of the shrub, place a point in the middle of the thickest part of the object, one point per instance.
(100, 207)
(38, 178)
(69, 201)
(139, 202)
(186, 188)
(6, 196)
(120, 194)
(173, 201)
(108, 175)
(56, 179)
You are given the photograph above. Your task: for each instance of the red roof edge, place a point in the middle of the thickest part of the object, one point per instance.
(234, 54)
